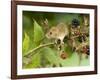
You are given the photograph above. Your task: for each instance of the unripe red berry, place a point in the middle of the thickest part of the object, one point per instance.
(63, 55)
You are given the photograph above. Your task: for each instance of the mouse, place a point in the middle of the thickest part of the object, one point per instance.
(58, 32)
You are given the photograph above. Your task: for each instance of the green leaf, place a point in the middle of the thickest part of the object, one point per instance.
(73, 60)
(38, 32)
(25, 43)
(50, 55)
(85, 60)
(34, 62)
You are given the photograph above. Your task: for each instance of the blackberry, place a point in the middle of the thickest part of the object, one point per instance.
(75, 23)
(86, 50)
(81, 38)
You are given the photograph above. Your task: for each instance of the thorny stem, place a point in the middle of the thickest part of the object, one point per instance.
(30, 53)
(81, 45)
(80, 58)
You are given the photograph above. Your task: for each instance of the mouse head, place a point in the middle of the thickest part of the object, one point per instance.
(52, 33)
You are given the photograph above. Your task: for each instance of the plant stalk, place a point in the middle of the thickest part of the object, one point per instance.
(30, 53)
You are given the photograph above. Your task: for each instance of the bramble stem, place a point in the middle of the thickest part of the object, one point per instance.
(35, 49)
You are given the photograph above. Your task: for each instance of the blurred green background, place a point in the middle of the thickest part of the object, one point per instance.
(33, 35)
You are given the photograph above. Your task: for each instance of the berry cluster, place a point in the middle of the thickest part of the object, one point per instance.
(77, 39)
(86, 49)
(80, 37)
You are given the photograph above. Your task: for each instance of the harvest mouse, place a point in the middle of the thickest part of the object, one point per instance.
(58, 32)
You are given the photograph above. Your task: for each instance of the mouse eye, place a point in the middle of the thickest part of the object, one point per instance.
(50, 33)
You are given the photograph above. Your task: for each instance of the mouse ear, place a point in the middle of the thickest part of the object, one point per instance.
(54, 29)
(61, 25)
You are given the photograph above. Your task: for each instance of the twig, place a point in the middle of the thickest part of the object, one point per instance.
(40, 46)
(81, 45)
(74, 37)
